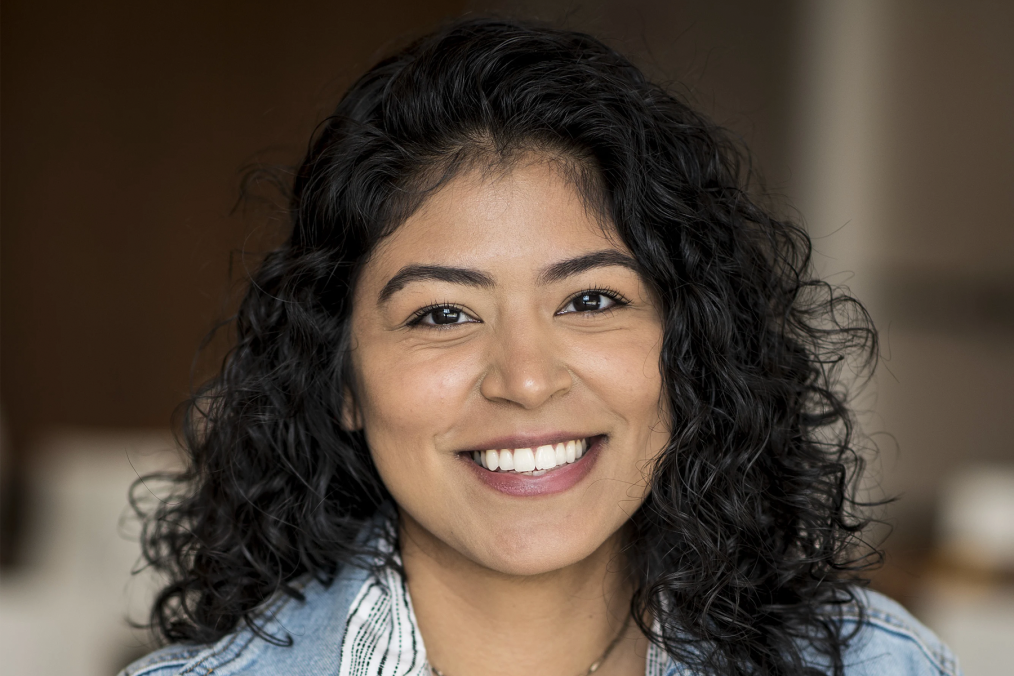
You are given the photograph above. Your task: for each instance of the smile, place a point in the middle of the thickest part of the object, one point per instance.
(537, 470)
(532, 461)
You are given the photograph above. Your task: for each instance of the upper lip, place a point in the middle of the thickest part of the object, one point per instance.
(528, 441)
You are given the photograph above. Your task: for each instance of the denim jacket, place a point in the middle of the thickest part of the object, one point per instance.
(891, 642)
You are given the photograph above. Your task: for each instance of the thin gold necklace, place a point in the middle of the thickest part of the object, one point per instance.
(595, 665)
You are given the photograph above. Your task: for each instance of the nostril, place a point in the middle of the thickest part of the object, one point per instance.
(525, 376)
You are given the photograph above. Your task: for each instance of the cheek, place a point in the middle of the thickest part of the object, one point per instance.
(623, 371)
(409, 398)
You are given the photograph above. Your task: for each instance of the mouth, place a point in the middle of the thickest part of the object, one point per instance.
(534, 461)
(539, 470)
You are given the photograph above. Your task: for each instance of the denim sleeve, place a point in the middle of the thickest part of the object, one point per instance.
(315, 626)
(165, 662)
(232, 654)
(893, 643)
(890, 642)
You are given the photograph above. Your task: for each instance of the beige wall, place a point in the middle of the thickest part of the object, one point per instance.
(906, 158)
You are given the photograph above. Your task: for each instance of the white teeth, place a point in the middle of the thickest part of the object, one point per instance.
(524, 460)
(545, 457)
(492, 460)
(561, 454)
(542, 458)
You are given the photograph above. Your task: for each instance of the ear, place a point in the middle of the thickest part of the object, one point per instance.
(352, 418)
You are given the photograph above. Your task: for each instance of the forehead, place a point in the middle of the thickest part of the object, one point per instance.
(524, 218)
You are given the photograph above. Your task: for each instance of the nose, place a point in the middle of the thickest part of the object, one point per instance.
(525, 369)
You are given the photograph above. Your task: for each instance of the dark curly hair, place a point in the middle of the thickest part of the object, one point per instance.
(748, 545)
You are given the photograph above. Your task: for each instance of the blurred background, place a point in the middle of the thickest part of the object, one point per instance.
(886, 127)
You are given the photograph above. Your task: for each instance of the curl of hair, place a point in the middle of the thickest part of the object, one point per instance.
(748, 545)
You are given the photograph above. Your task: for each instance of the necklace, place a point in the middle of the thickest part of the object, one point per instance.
(595, 665)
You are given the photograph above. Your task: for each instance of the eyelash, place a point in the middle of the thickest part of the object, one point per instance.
(618, 298)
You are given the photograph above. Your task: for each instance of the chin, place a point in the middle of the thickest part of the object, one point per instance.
(525, 553)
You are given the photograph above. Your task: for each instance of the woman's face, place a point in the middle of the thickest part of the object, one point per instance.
(500, 322)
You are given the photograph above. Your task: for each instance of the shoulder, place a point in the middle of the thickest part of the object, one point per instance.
(168, 660)
(891, 642)
(886, 641)
(315, 626)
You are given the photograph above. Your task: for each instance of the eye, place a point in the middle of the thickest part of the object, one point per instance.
(592, 301)
(441, 315)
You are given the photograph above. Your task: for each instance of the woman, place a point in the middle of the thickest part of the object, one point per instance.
(532, 387)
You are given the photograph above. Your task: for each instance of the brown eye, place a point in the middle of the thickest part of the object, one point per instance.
(591, 301)
(588, 302)
(442, 315)
(446, 315)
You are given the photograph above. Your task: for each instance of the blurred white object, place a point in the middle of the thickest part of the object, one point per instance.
(976, 523)
(966, 602)
(975, 624)
(65, 611)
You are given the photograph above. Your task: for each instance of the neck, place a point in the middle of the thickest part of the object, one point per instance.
(479, 622)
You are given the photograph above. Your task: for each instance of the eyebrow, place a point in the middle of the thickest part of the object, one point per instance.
(469, 277)
(597, 259)
(440, 273)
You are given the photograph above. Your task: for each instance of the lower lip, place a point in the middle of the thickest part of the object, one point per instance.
(554, 481)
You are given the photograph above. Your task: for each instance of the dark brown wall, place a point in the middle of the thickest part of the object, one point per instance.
(124, 127)
(732, 59)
